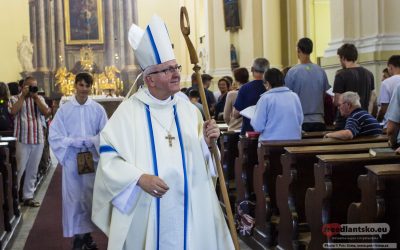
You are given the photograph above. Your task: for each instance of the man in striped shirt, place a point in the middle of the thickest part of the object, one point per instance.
(359, 122)
(27, 107)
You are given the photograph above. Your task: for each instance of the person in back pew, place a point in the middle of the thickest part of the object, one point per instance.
(359, 122)
(278, 114)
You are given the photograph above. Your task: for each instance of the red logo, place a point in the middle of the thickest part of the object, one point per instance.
(330, 230)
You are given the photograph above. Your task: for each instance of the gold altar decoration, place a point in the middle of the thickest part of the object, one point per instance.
(106, 82)
(65, 81)
(87, 58)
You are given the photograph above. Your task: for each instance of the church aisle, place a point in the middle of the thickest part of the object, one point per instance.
(46, 232)
(29, 214)
(42, 228)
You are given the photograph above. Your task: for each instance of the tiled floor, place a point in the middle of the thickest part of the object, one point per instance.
(29, 215)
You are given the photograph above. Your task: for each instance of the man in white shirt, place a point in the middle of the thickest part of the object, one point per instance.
(388, 86)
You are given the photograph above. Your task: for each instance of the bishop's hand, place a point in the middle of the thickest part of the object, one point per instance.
(210, 131)
(153, 185)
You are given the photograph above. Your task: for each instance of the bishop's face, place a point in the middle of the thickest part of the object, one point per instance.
(164, 80)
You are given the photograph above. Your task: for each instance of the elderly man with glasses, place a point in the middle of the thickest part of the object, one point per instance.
(359, 122)
(153, 186)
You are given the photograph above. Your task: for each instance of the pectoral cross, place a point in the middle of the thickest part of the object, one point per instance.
(170, 138)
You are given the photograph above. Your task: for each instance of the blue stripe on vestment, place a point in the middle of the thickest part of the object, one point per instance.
(107, 148)
(186, 193)
(153, 44)
(155, 168)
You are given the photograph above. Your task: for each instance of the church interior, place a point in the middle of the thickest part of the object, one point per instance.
(303, 193)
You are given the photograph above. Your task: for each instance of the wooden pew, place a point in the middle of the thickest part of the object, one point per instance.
(247, 159)
(380, 200)
(335, 189)
(264, 180)
(3, 233)
(229, 152)
(5, 169)
(314, 134)
(223, 127)
(291, 186)
(244, 164)
(14, 172)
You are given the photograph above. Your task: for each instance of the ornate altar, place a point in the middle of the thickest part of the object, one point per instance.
(60, 28)
(106, 83)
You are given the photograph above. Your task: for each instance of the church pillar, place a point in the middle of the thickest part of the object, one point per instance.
(130, 17)
(370, 25)
(250, 38)
(33, 30)
(60, 44)
(109, 32)
(42, 73)
(41, 30)
(294, 29)
(272, 32)
(130, 71)
(217, 40)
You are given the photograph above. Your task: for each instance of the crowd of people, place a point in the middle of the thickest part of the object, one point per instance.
(348, 107)
(145, 177)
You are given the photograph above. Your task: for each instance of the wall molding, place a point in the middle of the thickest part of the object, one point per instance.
(376, 43)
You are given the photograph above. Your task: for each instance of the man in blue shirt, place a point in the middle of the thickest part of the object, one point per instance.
(250, 92)
(278, 113)
(308, 80)
(359, 122)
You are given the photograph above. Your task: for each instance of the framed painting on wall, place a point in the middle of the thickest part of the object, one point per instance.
(232, 15)
(83, 21)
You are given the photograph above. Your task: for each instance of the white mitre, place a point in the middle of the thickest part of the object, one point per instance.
(153, 45)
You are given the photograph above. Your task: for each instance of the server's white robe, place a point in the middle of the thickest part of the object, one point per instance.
(73, 121)
(126, 213)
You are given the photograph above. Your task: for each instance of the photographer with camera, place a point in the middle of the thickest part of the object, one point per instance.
(27, 107)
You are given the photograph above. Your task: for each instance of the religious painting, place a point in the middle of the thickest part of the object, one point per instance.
(83, 21)
(232, 15)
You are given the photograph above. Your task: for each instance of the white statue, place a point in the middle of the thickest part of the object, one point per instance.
(203, 56)
(25, 53)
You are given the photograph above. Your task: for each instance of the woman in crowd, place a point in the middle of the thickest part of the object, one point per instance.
(223, 85)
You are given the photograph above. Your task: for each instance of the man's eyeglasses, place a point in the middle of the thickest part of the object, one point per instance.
(176, 68)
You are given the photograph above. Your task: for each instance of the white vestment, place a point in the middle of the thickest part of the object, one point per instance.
(73, 121)
(189, 213)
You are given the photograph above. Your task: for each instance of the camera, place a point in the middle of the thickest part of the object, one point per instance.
(33, 89)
